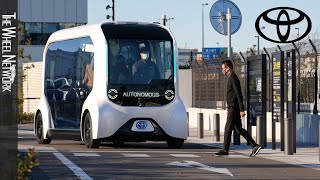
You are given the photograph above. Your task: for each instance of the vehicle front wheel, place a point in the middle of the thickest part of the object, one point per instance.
(39, 131)
(89, 142)
(175, 143)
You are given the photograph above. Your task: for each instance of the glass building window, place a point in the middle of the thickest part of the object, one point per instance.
(66, 25)
(33, 35)
(39, 33)
(48, 29)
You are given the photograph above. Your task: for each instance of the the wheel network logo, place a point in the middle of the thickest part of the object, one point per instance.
(288, 23)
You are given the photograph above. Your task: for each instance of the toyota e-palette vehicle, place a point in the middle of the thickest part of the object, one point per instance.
(90, 91)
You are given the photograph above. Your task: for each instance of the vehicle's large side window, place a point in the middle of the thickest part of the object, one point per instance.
(85, 63)
(70, 63)
(68, 79)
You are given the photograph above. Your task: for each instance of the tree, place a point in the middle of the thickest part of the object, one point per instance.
(25, 59)
(251, 50)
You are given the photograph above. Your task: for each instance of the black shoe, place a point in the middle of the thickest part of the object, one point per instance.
(221, 153)
(255, 150)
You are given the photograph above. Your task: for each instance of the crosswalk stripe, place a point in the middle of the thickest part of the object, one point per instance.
(25, 148)
(235, 156)
(135, 155)
(86, 154)
(183, 155)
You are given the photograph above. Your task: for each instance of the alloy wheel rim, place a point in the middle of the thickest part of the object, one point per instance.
(87, 132)
(39, 130)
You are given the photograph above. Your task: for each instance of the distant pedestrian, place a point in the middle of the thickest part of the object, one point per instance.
(235, 111)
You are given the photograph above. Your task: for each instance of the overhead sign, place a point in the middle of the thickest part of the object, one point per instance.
(210, 53)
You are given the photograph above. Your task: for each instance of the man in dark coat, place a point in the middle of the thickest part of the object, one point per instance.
(235, 111)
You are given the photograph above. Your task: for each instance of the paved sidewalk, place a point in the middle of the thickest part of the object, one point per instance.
(305, 156)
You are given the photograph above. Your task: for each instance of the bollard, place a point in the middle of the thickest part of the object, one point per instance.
(259, 131)
(200, 125)
(274, 145)
(216, 128)
(288, 148)
(188, 122)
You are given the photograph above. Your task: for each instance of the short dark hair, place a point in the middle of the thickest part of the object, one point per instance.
(228, 63)
(144, 49)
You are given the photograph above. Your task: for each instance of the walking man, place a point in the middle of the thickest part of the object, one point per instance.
(235, 111)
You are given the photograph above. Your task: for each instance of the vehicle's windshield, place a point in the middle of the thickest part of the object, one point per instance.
(136, 61)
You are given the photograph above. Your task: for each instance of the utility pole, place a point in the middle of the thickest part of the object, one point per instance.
(164, 20)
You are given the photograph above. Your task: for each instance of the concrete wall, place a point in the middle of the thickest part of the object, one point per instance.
(62, 11)
(185, 86)
(32, 87)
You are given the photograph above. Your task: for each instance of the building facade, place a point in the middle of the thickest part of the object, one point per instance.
(39, 19)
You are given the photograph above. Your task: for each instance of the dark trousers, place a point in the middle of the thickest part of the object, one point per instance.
(234, 123)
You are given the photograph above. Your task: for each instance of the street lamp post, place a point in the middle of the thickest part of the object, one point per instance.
(258, 44)
(298, 31)
(112, 7)
(169, 19)
(298, 73)
(205, 4)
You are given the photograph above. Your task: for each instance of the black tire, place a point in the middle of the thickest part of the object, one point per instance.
(39, 131)
(174, 143)
(87, 133)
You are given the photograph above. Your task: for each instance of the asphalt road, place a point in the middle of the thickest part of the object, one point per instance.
(66, 159)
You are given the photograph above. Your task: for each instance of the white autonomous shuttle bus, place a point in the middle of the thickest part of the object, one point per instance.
(111, 82)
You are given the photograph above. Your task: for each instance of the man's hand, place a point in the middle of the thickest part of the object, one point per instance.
(242, 114)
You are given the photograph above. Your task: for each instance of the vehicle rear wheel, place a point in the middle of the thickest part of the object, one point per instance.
(39, 131)
(89, 142)
(175, 143)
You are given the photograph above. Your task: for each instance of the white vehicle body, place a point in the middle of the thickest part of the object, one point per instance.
(108, 117)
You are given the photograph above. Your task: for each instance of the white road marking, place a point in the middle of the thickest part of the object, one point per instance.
(25, 148)
(235, 156)
(86, 154)
(76, 170)
(201, 166)
(25, 132)
(135, 155)
(183, 155)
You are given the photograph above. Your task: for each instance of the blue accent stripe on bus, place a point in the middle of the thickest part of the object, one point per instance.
(175, 61)
(107, 62)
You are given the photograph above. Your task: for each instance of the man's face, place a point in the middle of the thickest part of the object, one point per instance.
(225, 69)
(144, 55)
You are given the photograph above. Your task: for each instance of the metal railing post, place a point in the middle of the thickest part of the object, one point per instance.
(288, 148)
(200, 126)
(216, 128)
(259, 131)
